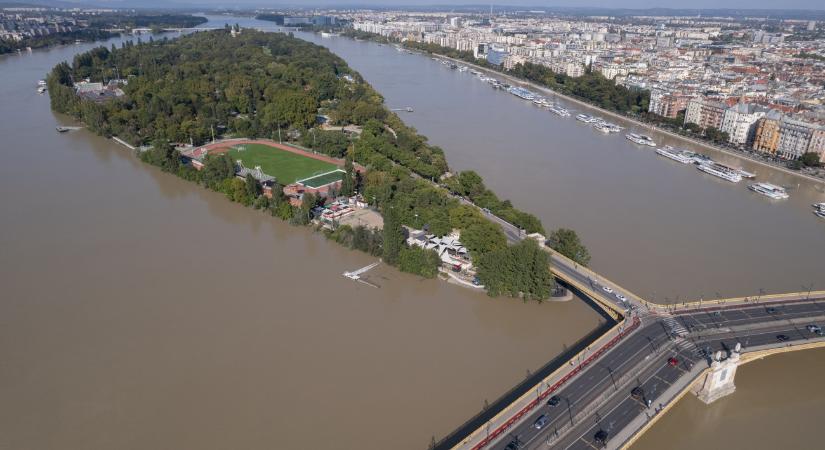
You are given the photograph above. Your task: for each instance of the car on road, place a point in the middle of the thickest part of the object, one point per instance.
(554, 401)
(781, 337)
(541, 422)
(814, 329)
(637, 393)
(621, 297)
(673, 362)
(600, 438)
(607, 289)
(771, 310)
(515, 444)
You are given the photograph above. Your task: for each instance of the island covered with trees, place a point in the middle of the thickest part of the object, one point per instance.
(26, 30)
(245, 83)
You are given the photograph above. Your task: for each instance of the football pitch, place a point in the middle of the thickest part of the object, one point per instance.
(286, 167)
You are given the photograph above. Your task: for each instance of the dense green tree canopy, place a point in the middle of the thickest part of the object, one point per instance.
(567, 242)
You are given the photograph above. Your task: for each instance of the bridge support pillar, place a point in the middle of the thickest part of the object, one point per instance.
(718, 381)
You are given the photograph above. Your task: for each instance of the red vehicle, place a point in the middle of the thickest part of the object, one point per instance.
(673, 362)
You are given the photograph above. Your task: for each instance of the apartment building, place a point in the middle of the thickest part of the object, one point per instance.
(740, 122)
(705, 113)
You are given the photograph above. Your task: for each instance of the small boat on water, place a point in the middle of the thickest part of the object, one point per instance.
(745, 173)
(63, 129)
(721, 171)
(769, 190)
(41, 82)
(674, 154)
(819, 206)
(640, 139)
(41, 89)
(583, 118)
(697, 158)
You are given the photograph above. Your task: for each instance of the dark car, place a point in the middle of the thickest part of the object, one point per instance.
(771, 310)
(541, 422)
(637, 393)
(781, 337)
(513, 445)
(553, 401)
(600, 437)
(673, 362)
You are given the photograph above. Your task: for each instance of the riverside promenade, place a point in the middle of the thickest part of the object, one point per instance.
(633, 121)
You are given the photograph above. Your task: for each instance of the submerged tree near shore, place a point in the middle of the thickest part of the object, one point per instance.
(257, 84)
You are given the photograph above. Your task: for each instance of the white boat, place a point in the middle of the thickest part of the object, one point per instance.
(819, 206)
(769, 190)
(669, 152)
(583, 118)
(41, 82)
(602, 127)
(41, 90)
(640, 139)
(820, 213)
(721, 171)
(556, 109)
(745, 173)
(697, 158)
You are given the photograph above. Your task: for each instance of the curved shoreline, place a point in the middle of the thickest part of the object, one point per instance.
(631, 120)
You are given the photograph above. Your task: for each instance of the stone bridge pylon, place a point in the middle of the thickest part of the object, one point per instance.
(717, 382)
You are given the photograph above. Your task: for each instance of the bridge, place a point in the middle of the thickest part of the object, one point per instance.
(611, 387)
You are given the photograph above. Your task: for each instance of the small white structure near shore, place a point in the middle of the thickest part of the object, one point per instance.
(449, 248)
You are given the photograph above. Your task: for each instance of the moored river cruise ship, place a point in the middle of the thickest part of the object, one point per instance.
(674, 154)
(640, 139)
(769, 190)
(721, 171)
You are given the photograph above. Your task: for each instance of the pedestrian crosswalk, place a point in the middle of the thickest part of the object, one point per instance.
(687, 346)
(676, 328)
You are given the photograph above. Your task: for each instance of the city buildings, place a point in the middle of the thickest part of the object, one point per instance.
(705, 113)
(760, 81)
(739, 122)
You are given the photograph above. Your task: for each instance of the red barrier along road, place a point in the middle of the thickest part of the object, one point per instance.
(501, 429)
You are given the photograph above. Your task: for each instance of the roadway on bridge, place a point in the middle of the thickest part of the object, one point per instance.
(641, 359)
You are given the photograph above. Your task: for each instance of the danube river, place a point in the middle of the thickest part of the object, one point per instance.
(140, 311)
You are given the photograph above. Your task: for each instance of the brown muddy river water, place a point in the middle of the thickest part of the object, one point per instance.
(141, 311)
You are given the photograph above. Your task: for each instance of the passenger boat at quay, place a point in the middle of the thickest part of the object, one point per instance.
(674, 154)
(640, 139)
(721, 171)
(769, 190)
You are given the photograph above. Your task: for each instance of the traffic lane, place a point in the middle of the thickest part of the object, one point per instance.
(751, 315)
(761, 337)
(581, 390)
(592, 382)
(619, 417)
(618, 411)
(596, 286)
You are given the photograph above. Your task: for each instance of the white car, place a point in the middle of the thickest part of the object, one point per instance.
(607, 289)
(621, 297)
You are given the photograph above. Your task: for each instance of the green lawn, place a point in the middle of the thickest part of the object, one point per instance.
(322, 180)
(285, 166)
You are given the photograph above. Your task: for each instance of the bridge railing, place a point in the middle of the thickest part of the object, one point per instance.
(550, 390)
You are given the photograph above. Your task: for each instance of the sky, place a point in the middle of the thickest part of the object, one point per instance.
(642, 4)
(534, 4)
